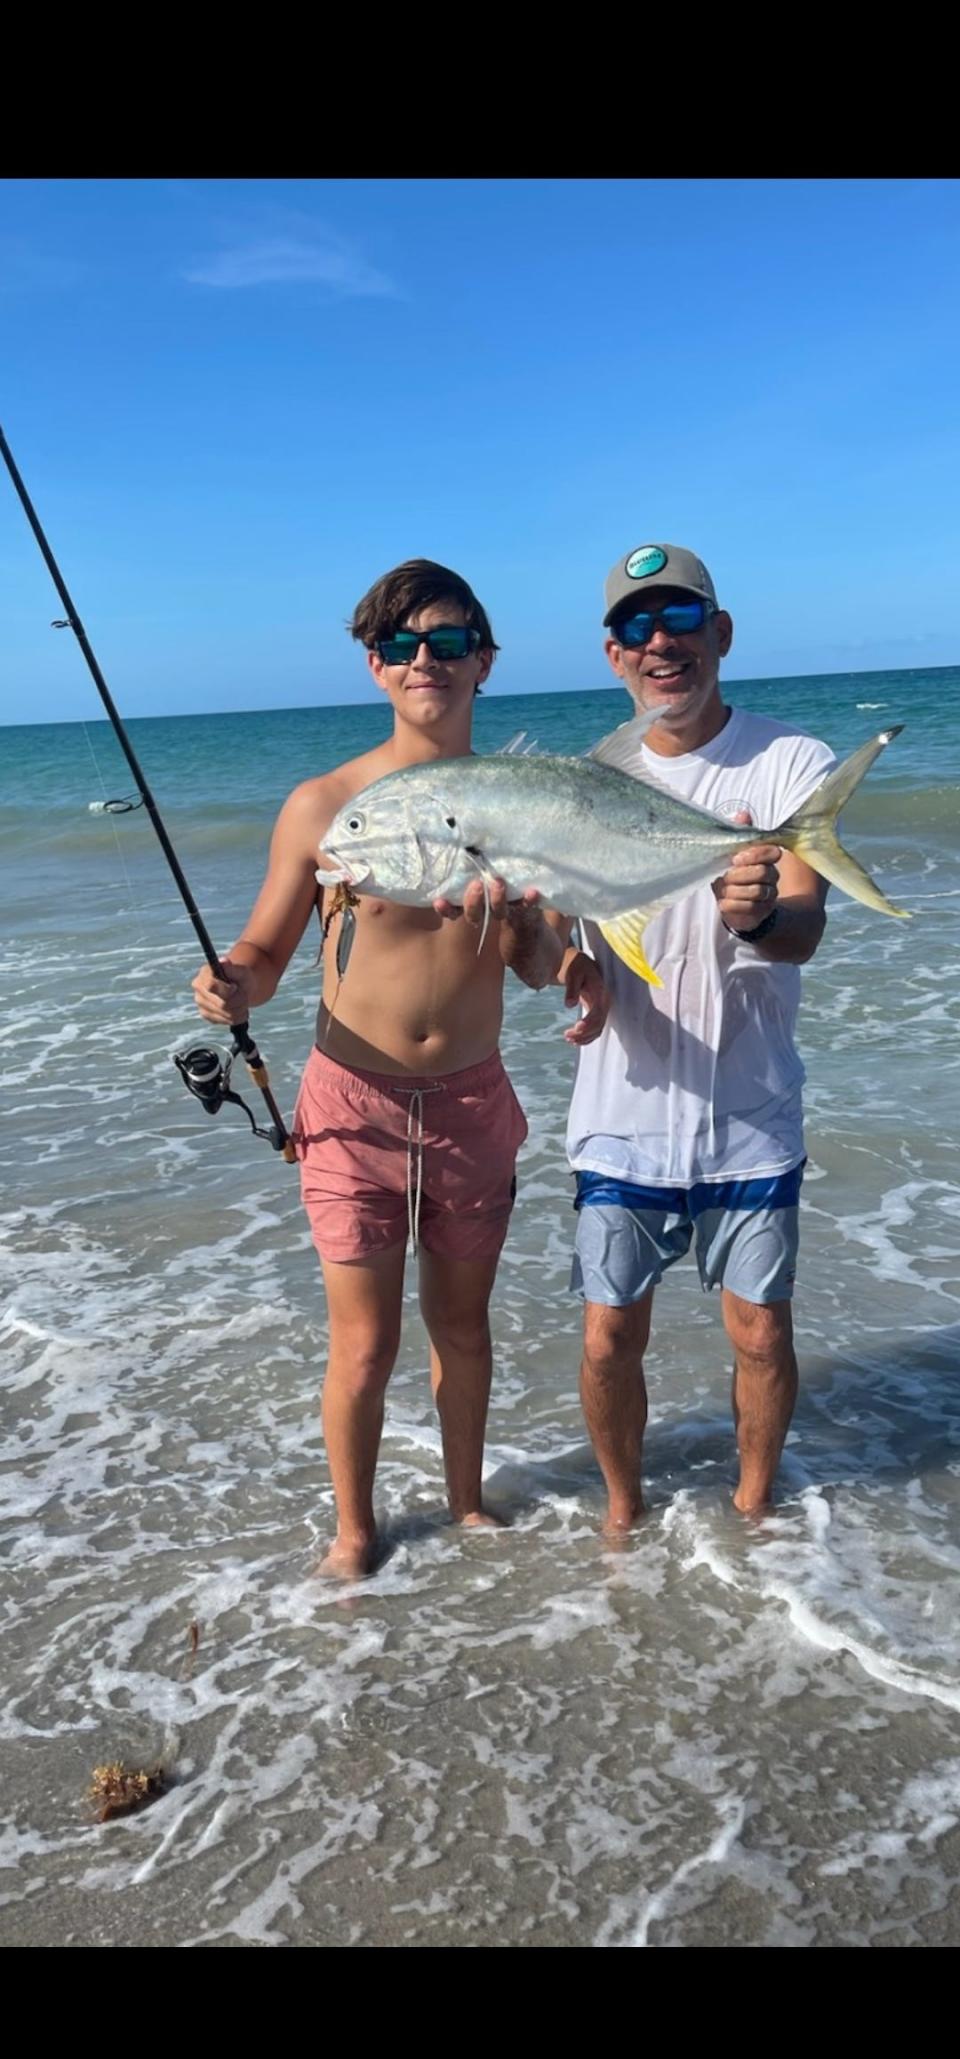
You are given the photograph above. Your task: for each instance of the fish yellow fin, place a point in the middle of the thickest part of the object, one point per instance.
(812, 833)
(624, 934)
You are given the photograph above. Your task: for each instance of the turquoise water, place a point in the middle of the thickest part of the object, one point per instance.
(719, 1735)
(251, 760)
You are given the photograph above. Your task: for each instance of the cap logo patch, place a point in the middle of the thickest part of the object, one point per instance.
(644, 562)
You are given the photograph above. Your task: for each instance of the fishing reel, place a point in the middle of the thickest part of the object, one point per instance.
(207, 1076)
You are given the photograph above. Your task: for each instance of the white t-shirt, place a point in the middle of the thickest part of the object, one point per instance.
(699, 1079)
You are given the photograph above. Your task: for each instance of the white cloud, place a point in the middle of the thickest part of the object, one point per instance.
(316, 259)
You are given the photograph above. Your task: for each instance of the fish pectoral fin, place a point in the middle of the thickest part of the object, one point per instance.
(480, 866)
(624, 934)
(421, 859)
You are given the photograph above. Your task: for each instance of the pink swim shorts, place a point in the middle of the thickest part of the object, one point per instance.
(385, 1156)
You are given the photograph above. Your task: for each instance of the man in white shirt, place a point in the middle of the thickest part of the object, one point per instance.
(686, 1122)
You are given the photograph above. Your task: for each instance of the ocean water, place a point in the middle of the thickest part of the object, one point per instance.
(720, 1733)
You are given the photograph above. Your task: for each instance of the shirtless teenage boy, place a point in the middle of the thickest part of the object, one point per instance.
(406, 1120)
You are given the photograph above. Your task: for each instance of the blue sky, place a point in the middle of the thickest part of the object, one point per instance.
(236, 402)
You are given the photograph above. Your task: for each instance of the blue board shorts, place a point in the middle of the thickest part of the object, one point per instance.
(746, 1236)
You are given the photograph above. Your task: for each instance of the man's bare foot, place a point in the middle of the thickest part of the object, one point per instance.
(349, 1559)
(481, 1519)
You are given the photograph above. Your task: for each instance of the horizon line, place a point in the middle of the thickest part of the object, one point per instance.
(374, 701)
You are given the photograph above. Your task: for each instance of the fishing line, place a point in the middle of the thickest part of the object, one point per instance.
(111, 808)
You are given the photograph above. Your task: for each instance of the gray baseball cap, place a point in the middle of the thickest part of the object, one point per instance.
(655, 564)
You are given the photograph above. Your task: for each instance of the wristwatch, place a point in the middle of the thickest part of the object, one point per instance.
(754, 936)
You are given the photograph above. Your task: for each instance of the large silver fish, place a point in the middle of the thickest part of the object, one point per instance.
(597, 835)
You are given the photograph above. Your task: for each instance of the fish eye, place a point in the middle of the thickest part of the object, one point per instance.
(451, 821)
(355, 823)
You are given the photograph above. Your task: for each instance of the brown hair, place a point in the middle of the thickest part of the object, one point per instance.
(403, 592)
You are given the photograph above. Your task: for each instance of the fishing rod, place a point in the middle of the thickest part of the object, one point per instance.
(202, 1070)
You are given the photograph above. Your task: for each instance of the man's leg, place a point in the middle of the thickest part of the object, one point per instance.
(614, 1397)
(364, 1302)
(764, 1391)
(454, 1299)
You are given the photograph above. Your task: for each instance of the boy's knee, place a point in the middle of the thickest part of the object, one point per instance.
(362, 1372)
(466, 1335)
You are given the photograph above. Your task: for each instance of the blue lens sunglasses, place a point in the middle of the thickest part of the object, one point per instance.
(445, 643)
(679, 618)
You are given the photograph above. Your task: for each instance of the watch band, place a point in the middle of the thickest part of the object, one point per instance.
(754, 936)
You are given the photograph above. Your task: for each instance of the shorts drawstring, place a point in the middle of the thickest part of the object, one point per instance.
(415, 1158)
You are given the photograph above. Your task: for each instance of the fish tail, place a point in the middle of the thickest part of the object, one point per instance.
(811, 831)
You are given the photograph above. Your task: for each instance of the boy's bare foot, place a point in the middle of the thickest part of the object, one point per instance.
(349, 1558)
(481, 1519)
